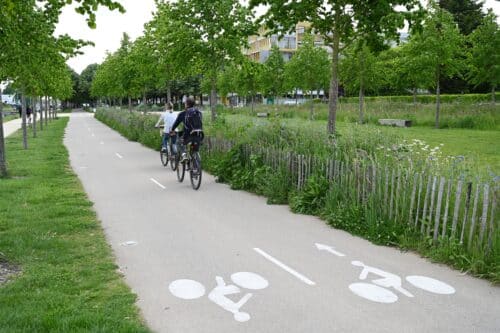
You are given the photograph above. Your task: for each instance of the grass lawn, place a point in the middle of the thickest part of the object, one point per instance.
(69, 281)
(481, 148)
(9, 118)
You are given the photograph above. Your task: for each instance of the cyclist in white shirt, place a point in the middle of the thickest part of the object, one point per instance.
(168, 118)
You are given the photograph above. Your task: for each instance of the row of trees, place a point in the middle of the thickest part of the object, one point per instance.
(203, 41)
(32, 58)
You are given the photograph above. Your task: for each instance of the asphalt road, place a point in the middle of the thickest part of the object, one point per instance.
(217, 260)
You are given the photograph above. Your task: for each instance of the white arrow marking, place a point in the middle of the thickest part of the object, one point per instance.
(157, 183)
(285, 267)
(330, 249)
(119, 156)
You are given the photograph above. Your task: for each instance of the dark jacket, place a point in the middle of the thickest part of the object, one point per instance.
(181, 118)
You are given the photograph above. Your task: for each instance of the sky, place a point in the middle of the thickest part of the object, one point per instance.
(112, 24)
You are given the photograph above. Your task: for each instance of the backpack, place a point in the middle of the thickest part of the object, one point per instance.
(193, 119)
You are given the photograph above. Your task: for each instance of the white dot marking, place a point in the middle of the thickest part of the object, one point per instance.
(187, 289)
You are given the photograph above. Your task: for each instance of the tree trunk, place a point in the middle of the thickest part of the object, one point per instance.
(169, 93)
(334, 85)
(23, 112)
(201, 99)
(253, 103)
(414, 96)
(46, 110)
(311, 114)
(34, 116)
(3, 163)
(493, 94)
(129, 104)
(361, 103)
(40, 100)
(144, 99)
(213, 96)
(54, 113)
(438, 101)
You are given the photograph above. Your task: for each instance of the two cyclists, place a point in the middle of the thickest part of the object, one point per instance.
(192, 138)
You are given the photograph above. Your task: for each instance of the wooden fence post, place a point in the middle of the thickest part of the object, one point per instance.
(420, 186)
(424, 213)
(433, 195)
(446, 209)
(466, 212)
(438, 208)
(484, 216)
(456, 209)
(492, 221)
(473, 218)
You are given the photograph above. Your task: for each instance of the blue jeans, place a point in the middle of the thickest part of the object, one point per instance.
(165, 138)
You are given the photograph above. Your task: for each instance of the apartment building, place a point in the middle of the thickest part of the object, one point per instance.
(259, 46)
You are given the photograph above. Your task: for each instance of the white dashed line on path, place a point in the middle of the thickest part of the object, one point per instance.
(285, 267)
(119, 156)
(157, 183)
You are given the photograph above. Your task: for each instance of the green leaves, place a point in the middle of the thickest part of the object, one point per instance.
(309, 67)
(484, 56)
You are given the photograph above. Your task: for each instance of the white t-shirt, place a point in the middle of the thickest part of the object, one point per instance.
(168, 120)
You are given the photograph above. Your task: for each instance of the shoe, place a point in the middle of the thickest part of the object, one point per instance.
(184, 157)
(163, 149)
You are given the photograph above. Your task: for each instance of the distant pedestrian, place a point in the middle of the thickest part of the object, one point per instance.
(29, 112)
(20, 110)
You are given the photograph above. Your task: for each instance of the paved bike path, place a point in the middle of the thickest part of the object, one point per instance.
(11, 126)
(165, 236)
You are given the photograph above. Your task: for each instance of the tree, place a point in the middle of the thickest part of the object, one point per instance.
(437, 50)
(27, 45)
(85, 83)
(210, 33)
(144, 63)
(308, 68)
(338, 22)
(227, 81)
(359, 70)
(467, 14)
(248, 78)
(484, 56)
(3, 164)
(273, 73)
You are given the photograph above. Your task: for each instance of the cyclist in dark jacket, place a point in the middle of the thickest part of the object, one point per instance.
(188, 135)
(181, 119)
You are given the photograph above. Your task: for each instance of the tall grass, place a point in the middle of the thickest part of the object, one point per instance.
(452, 115)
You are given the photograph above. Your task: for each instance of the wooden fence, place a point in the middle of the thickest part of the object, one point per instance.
(435, 206)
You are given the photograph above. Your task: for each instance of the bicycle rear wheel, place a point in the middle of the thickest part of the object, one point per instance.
(195, 172)
(174, 159)
(164, 157)
(181, 170)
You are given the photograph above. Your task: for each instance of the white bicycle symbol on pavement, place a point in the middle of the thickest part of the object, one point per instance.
(379, 290)
(191, 289)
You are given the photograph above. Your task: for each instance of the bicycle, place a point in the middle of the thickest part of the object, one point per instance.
(166, 155)
(193, 162)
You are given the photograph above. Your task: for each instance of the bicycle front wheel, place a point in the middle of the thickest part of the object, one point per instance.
(195, 172)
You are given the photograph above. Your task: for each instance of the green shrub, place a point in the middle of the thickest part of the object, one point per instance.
(311, 199)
